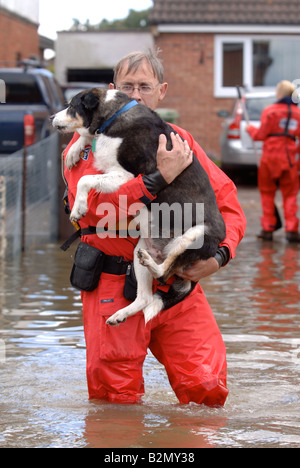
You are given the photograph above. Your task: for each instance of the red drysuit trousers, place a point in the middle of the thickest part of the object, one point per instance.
(185, 339)
(287, 181)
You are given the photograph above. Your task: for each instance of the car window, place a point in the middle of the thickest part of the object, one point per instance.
(21, 89)
(255, 106)
(48, 93)
(58, 92)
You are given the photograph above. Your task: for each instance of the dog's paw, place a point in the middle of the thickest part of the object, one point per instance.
(144, 258)
(116, 319)
(78, 212)
(72, 158)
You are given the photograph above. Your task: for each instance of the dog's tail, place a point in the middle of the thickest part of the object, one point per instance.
(178, 291)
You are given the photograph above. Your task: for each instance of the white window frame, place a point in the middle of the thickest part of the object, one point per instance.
(231, 92)
(220, 90)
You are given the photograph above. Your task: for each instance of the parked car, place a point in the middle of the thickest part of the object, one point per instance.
(32, 96)
(239, 154)
(71, 89)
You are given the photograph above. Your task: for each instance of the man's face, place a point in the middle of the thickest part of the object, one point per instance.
(142, 77)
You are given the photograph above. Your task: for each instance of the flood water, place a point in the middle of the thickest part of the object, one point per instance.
(43, 394)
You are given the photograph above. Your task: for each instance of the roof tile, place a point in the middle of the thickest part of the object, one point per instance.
(278, 12)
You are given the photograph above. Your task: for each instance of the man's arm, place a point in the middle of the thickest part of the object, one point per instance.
(232, 213)
(170, 164)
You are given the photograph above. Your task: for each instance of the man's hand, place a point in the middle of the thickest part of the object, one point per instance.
(199, 270)
(172, 163)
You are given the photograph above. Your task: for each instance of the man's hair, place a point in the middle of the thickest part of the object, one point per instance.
(285, 88)
(134, 60)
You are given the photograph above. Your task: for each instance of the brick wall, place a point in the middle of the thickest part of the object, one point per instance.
(18, 39)
(189, 69)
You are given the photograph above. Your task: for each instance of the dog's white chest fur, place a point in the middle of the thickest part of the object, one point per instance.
(106, 154)
(112, 178)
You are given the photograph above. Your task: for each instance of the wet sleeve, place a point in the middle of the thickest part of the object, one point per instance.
(126, 202)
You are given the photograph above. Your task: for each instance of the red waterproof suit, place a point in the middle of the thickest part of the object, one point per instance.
(278, 167)
(185, 338)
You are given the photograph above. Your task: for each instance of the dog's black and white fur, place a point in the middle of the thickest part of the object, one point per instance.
(127, 148)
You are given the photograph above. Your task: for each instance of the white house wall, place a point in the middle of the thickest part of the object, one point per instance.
(93, 50)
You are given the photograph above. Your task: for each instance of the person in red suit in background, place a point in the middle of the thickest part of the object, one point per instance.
(279, 130)
(186, 338)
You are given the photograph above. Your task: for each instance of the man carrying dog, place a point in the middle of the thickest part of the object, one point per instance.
(185, 338)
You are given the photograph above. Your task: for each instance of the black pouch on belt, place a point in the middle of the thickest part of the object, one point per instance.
(87, 269)
(130, 288)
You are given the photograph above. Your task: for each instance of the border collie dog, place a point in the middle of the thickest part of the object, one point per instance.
(125, 140)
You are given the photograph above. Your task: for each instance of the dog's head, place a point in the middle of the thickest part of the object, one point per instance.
(89, 110)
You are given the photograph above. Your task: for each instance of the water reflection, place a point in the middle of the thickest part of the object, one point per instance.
(276, 287)
(38, 306)
(43, 400)
(151, 427)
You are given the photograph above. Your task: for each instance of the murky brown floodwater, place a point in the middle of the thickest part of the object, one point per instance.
(43, 395)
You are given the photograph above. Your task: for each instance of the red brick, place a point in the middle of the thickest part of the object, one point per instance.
(18, 38)
(189, 69)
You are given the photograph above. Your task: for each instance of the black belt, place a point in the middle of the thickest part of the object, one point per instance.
(115, 265)
(90, 231)
(287, 135)
(73, 238)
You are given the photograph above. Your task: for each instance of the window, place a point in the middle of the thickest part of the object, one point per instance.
(96, 75)
(21, 88)
(255, 62)
(274, 60)
(233, 58)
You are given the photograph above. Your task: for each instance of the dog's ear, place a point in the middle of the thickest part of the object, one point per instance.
(90, 101)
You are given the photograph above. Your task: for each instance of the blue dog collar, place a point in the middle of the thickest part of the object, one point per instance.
(108, 122)
(121, 111)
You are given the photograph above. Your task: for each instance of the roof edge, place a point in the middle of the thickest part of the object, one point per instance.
(229, 28)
